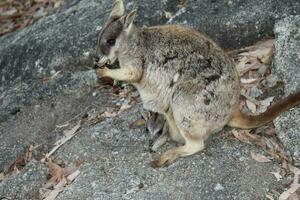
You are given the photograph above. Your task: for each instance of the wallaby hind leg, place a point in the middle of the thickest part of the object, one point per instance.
(173, 129)
(192, 146)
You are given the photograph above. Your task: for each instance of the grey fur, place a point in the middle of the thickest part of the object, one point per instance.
(181, 74)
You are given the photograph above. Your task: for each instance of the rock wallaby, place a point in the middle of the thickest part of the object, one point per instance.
(181, 74)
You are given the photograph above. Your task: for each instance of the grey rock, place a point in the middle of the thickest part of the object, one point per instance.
(26, 184)
(44, 81)
(287, 67)
(218, 187)
(116, 166)
(235, 23)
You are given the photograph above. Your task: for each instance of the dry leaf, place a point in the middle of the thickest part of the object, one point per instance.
(248, 81)
(291, 191)
(138, 122)
(270, 131)
(259, 157)
(56, 172)
(9, 12)
(251, 106)
(263, 51)
(168, 15)
(254, 92)
(109, 113)
(245, 64)
(63, 125)
(267, 55)
(124, 107)
(19, 14)
(241, 65)
(268, 196)
(253, 100)
(277, 175)
(245, 136)
(70, 169)
(21, 161)
(264, 104)
(60, 177)
(73, 176)
(272, 80)
(293, 187)
(57, 189)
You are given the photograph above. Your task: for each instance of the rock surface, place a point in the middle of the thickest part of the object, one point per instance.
(235, 23)
(287, 66)
(116, 166)
(26, 184)
(46, 81)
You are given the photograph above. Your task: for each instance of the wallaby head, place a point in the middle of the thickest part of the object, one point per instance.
(116, 33)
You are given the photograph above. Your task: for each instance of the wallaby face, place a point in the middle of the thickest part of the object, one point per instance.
(115, 33)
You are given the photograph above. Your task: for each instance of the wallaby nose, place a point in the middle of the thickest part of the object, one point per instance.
(96, 58)
(95, 61)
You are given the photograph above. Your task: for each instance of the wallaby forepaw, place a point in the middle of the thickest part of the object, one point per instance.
(163, 161)
(102, 72)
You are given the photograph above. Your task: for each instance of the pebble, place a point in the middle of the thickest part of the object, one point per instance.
(218, 187)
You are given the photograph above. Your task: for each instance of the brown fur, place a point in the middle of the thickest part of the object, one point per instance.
(181, 74)
(241, 120)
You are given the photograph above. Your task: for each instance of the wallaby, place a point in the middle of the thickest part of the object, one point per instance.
(181, 74)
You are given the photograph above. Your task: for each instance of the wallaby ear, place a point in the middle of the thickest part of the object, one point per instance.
(130, 18)
(118, 9)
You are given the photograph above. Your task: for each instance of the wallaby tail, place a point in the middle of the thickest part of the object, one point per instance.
(242, 120)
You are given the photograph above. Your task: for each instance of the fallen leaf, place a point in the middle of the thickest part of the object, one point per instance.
(251, 106)
(264, 104)
(57, 189)
(241, 65)
(138, 122)
(291, 191)
(109, 114)
(57, 4)
(253, 100)
(267, 55)
(254, 92)
(60, 178)
(270, 131)
(9, 12)
(62, 125)
(21, 161)
(19, 14)
(263, 51)
(277, 175)
(245, 136)
(168, 15)
(124, 107)
(272, 80)
(248, 81)
(268, 196)
(259, 157)
(57, 173)
(293, 187)
(73, 176)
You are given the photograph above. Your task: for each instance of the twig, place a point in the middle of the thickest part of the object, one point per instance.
(63, 140)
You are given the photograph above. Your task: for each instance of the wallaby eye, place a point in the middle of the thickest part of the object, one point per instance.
(111, 42)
